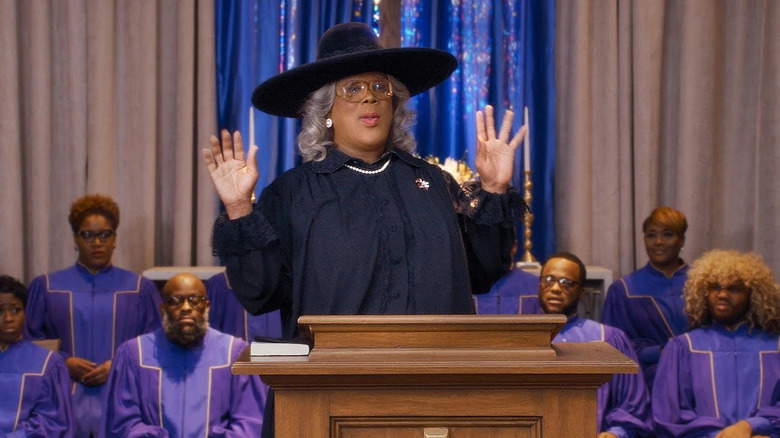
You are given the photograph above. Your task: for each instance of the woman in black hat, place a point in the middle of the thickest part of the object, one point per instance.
(363, 226)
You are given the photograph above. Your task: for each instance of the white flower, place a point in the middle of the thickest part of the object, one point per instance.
(451, 166)
(457, 168)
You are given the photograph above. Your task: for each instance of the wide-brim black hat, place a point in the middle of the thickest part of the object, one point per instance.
(344, 50)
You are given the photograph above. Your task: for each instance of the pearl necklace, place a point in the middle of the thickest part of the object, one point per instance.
(369, 172)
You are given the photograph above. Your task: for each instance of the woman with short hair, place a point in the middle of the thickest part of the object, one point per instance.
(92, 307)
(648, 303)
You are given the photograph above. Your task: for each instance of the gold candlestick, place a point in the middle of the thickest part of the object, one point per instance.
(527, 220)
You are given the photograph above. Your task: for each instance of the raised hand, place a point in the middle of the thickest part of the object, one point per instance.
(496, 155)
(232, 175)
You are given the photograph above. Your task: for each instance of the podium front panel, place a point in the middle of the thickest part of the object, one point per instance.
(438, 388)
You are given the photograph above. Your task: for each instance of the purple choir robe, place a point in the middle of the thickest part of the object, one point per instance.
(648, 307)
(712, 377)
(36, 398)
(624, 401)
(229, 316)
(92, 314)
(158, 389)
(517, 292)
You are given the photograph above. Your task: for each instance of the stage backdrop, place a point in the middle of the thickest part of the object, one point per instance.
(661, 102)
(505, 54)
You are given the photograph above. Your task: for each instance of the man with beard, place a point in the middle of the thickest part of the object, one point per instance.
(722, 379)
(623, 403)
(176, 381)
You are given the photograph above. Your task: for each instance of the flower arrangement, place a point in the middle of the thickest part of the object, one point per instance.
(459, 169)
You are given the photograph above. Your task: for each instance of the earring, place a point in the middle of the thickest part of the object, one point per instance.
(328, 122)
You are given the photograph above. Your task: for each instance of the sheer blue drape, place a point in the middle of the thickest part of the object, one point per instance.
(505, 54)
(505, 51)
(256, 39)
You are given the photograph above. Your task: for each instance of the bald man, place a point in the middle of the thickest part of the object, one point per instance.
(176, 381)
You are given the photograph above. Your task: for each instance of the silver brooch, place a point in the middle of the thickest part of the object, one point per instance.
(422, 184)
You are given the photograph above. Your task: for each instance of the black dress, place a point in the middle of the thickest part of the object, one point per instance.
(327, 239)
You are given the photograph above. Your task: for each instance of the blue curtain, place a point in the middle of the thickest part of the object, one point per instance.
(256, 39)
(505, 53)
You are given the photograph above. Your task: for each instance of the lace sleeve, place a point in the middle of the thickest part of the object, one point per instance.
(486, 208)
(244, 234)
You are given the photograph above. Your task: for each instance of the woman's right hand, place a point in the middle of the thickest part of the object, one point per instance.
(232, 175)
(78, 367)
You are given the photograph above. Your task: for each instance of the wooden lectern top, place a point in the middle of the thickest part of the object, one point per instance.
(494, 348)
(501, 336)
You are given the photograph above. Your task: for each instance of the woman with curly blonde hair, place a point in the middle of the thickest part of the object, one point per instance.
(722, 378)
(721, 267)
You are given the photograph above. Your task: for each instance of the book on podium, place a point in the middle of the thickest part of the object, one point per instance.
(264, 346)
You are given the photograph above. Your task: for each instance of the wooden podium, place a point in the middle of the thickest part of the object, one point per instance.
(458, 376)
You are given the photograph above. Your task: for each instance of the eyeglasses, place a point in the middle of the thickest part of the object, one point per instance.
(90, 235)
(355, 91)
(13, 310)
(736, 288)
(565, 283)
(177, 301)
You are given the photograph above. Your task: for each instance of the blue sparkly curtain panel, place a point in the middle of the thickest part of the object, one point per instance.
(505, 54)
(256, 39)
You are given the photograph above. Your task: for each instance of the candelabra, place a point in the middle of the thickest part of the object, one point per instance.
(527, 258)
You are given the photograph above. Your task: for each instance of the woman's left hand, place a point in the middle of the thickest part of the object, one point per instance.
(496, 155)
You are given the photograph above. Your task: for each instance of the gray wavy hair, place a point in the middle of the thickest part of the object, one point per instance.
(315, 138)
